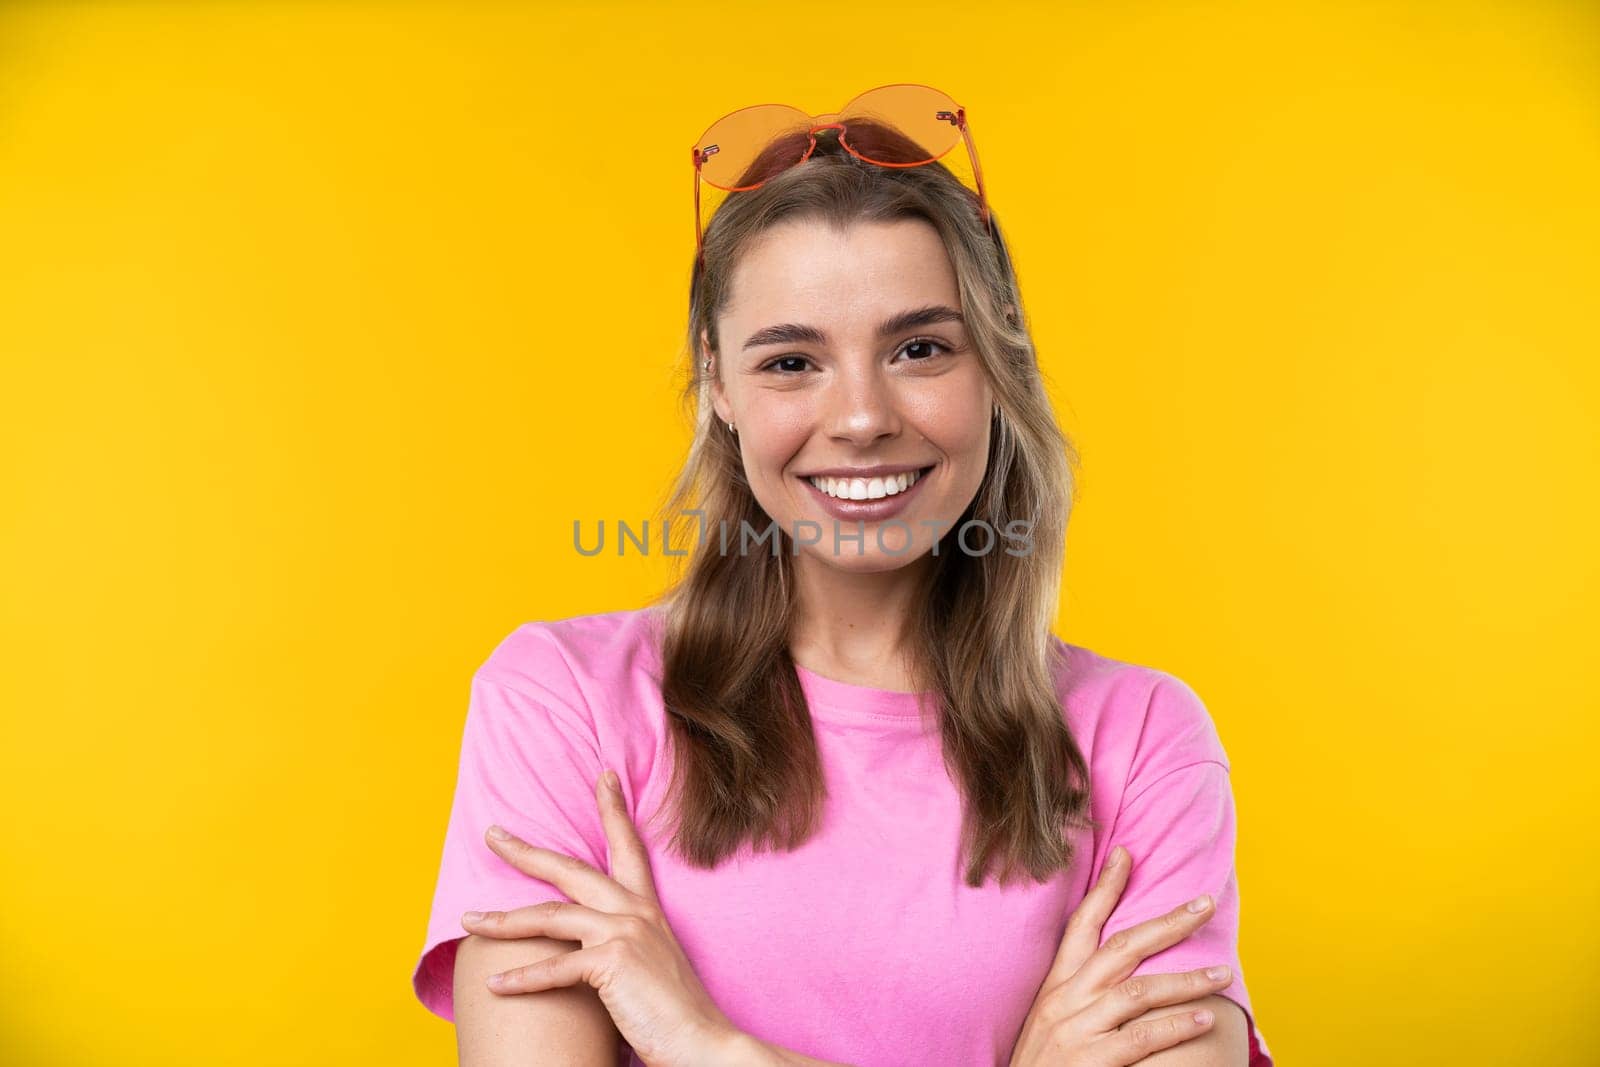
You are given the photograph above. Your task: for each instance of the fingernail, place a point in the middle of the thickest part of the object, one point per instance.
(472, 917)
(611, 781)
(1117, 852)
(1200, 903)
(1216, 974)
(499, 834)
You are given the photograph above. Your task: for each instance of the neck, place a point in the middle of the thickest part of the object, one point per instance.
(856, 626)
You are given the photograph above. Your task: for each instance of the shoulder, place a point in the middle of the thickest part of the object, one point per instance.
(598, 672)
(575, 652)
(1148, 719)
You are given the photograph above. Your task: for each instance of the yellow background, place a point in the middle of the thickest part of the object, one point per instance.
(321, 323)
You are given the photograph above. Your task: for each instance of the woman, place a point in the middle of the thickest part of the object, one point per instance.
(871, 785)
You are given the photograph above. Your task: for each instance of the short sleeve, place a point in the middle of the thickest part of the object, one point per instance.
(529, 761)
(1177, 822)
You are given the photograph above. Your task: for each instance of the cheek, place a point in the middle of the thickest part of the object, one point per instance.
(785, 422)
(961, 433)
(777, 432)
(959, 429)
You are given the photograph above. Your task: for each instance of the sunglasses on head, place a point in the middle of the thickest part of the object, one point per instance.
(901, 125)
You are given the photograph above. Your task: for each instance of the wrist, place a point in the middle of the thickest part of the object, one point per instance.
(735, 1048)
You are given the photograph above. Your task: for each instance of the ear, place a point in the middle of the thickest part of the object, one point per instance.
(719, 398)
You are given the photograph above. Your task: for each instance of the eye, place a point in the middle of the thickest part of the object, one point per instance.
(925, 343)
(787, 359)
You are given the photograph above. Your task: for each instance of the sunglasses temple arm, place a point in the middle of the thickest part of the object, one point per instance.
(977, 171)
(697, 243)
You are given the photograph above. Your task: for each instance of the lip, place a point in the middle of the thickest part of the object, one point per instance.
(877, 471)
(867, 510)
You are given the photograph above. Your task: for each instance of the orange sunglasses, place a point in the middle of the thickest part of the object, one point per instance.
(745, 149)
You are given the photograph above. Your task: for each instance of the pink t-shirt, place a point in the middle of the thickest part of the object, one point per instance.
(863, 946)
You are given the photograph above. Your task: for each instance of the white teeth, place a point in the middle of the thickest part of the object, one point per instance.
(866, 488)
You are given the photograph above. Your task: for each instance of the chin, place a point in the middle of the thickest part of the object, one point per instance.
(871, 561)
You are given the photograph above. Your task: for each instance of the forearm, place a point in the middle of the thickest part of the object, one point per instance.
(748, 1051)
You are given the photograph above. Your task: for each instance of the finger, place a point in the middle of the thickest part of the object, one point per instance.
(1082, 935)
(559, 919)
(630, 861)
(581, 966)
(1132, 997)
(1126, 949)
(580, 881)
(1152, 1035)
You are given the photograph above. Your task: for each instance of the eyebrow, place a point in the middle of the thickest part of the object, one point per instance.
(795, 333)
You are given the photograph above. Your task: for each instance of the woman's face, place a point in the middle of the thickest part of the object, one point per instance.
(844, 350)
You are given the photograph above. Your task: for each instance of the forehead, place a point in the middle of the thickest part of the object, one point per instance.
(805, 270)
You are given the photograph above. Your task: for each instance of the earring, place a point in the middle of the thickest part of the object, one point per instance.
(732, 430)
(707, 365)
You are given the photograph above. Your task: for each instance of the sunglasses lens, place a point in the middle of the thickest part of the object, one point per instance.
(923, 114)
(752, 144)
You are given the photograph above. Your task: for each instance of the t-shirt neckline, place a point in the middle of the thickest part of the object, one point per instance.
(847, 697)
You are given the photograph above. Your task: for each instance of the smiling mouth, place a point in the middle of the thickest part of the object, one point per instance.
(860, 489)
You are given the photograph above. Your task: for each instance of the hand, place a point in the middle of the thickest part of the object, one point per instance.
(630, 955)
(1084, 999)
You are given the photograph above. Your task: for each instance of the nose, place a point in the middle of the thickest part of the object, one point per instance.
(861, 410)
